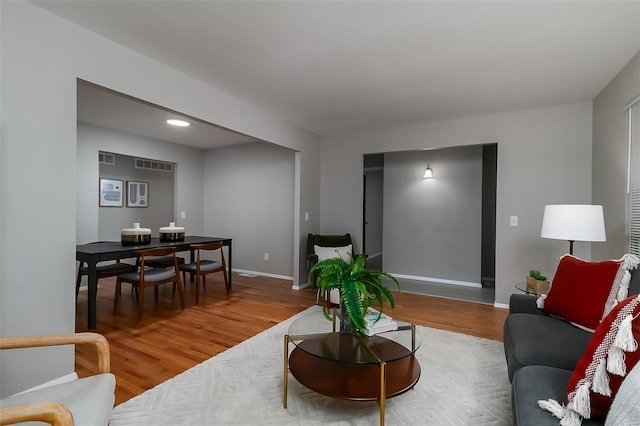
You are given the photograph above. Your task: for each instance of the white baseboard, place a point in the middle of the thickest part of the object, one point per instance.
(501, 305)
(64, 379)
(262, 274)
(300, 287)
(437, 280)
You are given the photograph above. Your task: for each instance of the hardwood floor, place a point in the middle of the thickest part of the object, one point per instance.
(171, 340)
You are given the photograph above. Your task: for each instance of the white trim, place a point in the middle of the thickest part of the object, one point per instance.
(262, 274)
(437, 280)
(64, 379)
(501, 305)
(300, 287)
(633, 102)
(371, 256)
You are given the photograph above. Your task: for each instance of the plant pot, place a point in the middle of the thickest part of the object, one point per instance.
(345, 325)
(536, 286)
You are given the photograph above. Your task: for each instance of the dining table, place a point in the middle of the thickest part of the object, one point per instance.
(93, 253)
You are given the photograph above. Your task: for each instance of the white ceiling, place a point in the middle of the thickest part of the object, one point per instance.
(337, 66)
(105, 108)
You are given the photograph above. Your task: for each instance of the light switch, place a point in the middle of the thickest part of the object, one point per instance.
(183, 215)
(513, 221)
(306, 216)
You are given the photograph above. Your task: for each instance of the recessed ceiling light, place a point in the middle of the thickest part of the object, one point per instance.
(179, 123)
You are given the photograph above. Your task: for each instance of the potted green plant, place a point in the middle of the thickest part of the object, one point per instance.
(360, 288)
(537, 282)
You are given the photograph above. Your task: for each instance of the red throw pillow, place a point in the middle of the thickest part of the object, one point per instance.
(610, 354)
(584, 292)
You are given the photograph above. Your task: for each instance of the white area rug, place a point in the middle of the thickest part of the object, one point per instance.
(463, 382)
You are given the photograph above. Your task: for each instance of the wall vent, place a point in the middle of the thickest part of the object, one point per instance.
(159, 166)
(106, 158)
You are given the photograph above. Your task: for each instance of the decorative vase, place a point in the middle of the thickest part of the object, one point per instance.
(345, 325)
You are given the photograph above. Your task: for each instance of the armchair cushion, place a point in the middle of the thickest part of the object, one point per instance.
(89, 399)
(324, 253)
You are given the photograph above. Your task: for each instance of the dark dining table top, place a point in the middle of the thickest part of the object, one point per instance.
(110, 250)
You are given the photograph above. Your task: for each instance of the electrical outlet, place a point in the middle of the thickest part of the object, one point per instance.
(513, 221)
(306, 216)
(266, 256)
(183, 215)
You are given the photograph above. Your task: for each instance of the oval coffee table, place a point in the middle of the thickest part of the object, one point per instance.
(349, 366)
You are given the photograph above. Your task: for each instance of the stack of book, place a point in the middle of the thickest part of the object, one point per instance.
(384, 322)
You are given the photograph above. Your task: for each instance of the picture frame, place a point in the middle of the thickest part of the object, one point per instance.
(137, 194)
(110, 193)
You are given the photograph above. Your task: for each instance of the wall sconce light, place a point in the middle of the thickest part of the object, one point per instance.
(428, 174)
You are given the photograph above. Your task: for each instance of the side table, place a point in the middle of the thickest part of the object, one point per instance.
(523, 288)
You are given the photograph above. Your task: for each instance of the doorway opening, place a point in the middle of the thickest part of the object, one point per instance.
(436, 235)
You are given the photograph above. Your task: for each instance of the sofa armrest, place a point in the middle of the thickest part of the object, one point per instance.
(524, 304)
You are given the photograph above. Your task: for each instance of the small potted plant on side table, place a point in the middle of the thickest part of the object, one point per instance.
(537, 283)
(359, 289)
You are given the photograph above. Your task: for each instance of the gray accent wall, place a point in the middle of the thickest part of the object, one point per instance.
(38, 102)
(610, 156)
(544, 158)
(96, 223)
(432, 227)
(160, 207)
(249, 195)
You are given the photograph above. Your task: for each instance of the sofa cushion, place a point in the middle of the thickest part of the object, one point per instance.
(542, 340)
(611, 352)
(584, 292)
(625, 409)
(535, 382)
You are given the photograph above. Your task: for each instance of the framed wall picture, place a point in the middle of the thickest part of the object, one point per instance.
(137, 194)
(111, 191)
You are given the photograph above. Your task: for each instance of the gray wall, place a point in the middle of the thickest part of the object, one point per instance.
(432, 227)
(157, 213)
(186, 194)
(249, 195)
(544, 158)
(610, 153)
(42, 57)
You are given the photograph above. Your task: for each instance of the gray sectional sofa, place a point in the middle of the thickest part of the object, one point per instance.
(542, 352)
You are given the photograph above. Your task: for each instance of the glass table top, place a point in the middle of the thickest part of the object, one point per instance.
(318, 336)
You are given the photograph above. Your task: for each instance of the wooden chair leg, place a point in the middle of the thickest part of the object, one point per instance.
(116, 297)
(197, 289)
(226, 279)
(140, 303)
(180, 290)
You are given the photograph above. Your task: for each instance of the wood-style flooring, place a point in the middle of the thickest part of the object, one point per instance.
(172, 340)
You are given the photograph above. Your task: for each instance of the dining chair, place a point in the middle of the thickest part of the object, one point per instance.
(103, 271)
(202, 267)
(146, 277)
(167, 262)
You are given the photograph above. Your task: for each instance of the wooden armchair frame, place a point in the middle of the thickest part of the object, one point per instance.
(51, 412)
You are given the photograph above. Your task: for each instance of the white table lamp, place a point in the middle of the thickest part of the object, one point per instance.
(573, 222)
